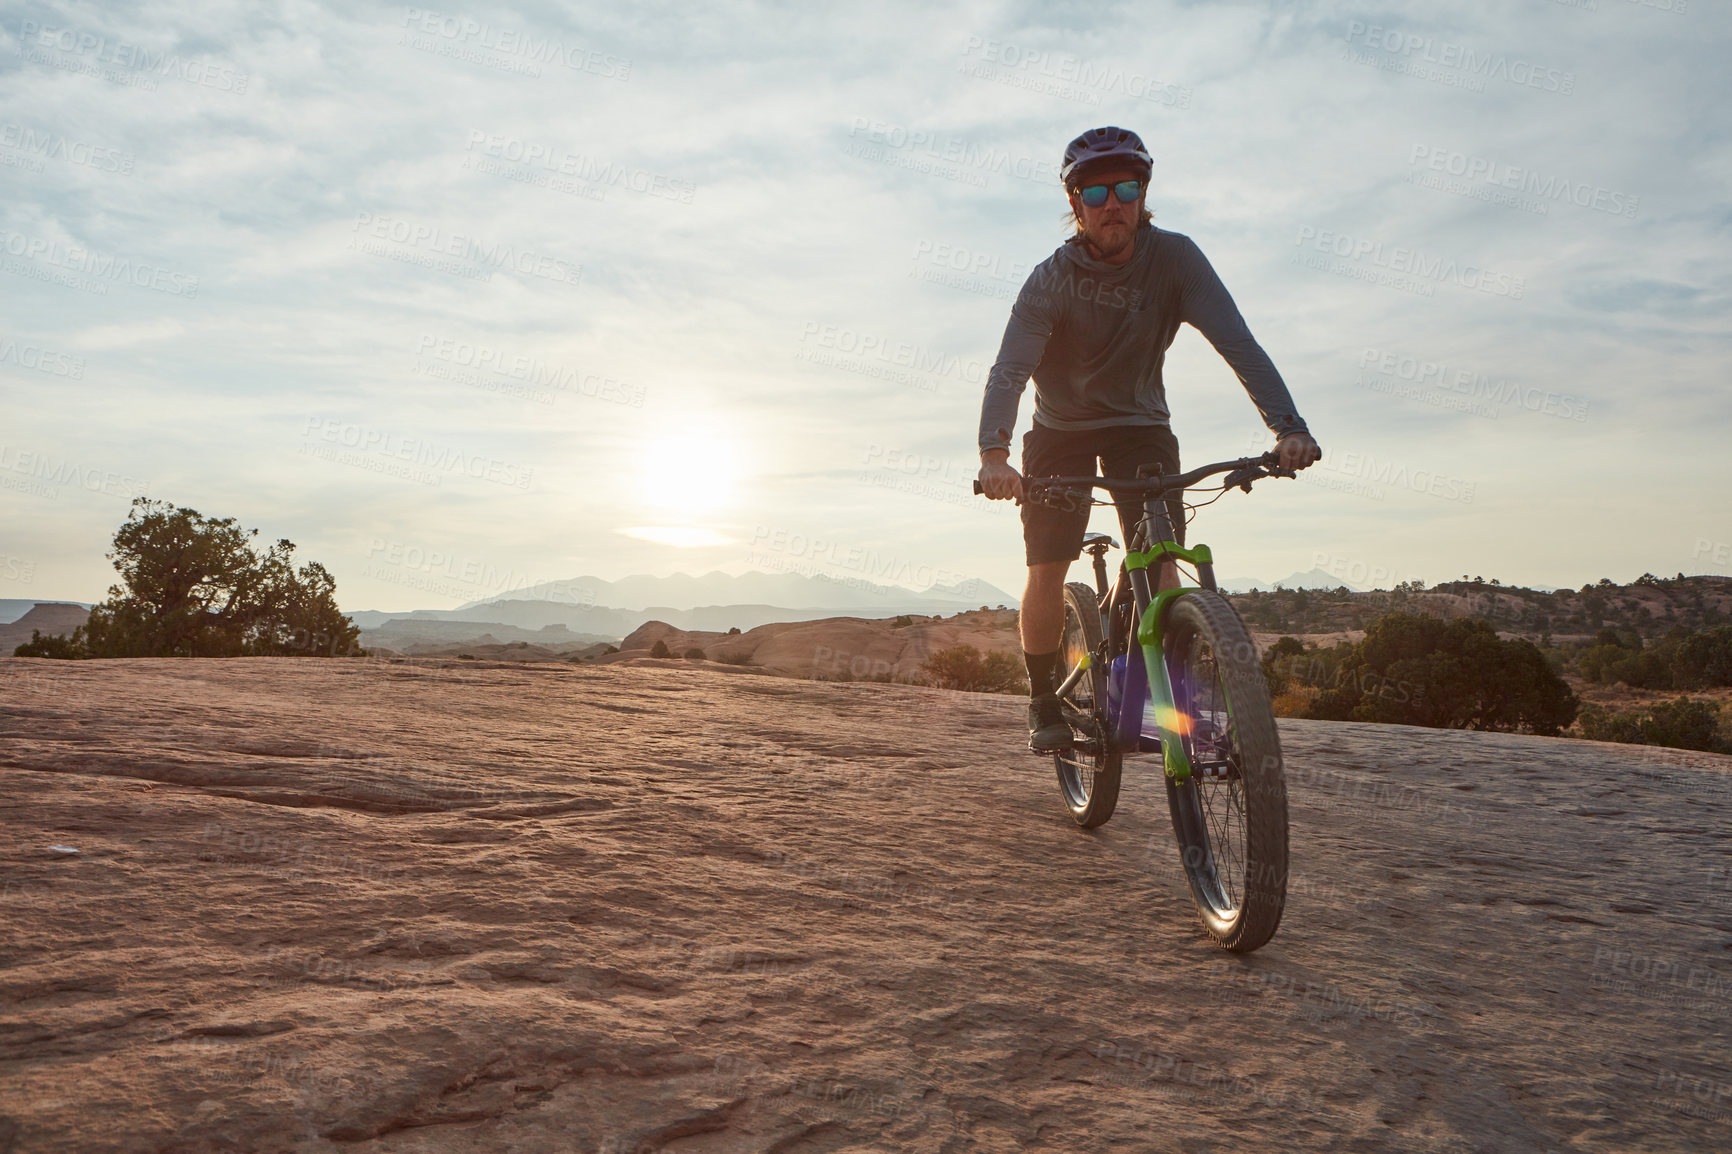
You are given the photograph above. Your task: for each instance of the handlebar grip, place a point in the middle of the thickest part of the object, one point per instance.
(977, 489)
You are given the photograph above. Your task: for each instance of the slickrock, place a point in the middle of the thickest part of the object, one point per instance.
(366, 906)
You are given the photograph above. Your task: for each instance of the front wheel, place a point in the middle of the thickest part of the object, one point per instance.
(1231, 814)
(1088, 773)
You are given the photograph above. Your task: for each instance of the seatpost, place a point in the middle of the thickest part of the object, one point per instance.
(1100, 570)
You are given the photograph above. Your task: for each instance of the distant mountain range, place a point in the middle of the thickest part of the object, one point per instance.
(790, 590)
(1310, 579)
(563, 612)
(590, 607)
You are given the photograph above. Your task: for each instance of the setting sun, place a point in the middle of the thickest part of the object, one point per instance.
(690, 471)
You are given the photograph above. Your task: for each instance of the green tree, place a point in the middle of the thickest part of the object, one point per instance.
(1678, 660)
(1682, 724)
(1413, 669)
(52, 646)
(194, 586)
(1703, 658)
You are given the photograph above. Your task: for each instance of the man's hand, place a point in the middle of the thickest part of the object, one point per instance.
(1297, 451)
(997, 479)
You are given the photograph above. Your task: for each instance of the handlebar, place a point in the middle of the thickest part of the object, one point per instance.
(1241, 473)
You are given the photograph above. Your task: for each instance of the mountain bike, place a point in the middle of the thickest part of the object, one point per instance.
(1174, 672)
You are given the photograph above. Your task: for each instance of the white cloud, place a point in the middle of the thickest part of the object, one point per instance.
(727, 204)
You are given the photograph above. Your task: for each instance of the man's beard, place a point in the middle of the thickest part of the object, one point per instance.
(1116, 242)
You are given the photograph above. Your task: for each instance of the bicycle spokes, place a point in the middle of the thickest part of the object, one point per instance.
(1210, 744)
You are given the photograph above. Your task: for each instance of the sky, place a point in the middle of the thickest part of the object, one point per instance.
(461, 300)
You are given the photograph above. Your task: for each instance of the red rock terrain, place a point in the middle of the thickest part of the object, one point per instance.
(49, 618)
(837, 648)
(365, 906)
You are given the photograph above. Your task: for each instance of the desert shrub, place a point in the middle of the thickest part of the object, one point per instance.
(54, 646)
(967, 668)
(195, 587)
(733, 631)
(1678, 660)
(1413, 669)
(660, 649)
(1280, 654)
(734, 658)
(694, 654)
(902, 622)
(1614, 658)
(1703, 659)
(1687, 723)
(1289, 667)
(1294, 701)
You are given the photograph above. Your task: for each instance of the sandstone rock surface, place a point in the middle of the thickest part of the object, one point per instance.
(838, 648)
(364, 906)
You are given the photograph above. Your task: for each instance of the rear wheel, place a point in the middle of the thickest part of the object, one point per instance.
(1088, 773)
(1231, 815)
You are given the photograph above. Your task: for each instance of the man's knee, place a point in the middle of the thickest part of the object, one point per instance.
(1048, 575)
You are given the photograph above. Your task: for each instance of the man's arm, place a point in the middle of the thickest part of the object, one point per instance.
(1025, 337)
(1205, 304)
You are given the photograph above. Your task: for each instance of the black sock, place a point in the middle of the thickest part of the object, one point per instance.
(1041, 667)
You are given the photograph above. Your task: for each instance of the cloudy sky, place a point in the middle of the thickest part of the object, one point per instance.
(462, 299)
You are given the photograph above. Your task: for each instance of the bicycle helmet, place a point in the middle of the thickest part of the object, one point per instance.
(1100, 147)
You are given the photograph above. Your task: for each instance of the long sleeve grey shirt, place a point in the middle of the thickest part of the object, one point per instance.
(1094, 337)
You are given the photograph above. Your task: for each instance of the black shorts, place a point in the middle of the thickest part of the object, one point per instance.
(1050, 534)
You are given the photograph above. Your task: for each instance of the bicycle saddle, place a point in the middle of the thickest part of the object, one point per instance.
(1091, 540)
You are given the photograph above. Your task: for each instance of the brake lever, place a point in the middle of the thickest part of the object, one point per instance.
(1064, 500)
(1242, 478)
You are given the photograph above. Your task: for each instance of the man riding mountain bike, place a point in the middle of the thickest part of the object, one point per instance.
(1092, 326)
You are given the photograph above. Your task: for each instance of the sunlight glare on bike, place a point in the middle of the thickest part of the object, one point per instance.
(1174, 720)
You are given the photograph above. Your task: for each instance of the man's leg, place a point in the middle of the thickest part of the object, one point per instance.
(1053, 538)
(1042, 623)
(1042, 616)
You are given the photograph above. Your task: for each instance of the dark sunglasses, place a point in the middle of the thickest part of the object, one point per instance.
(1095, 195)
